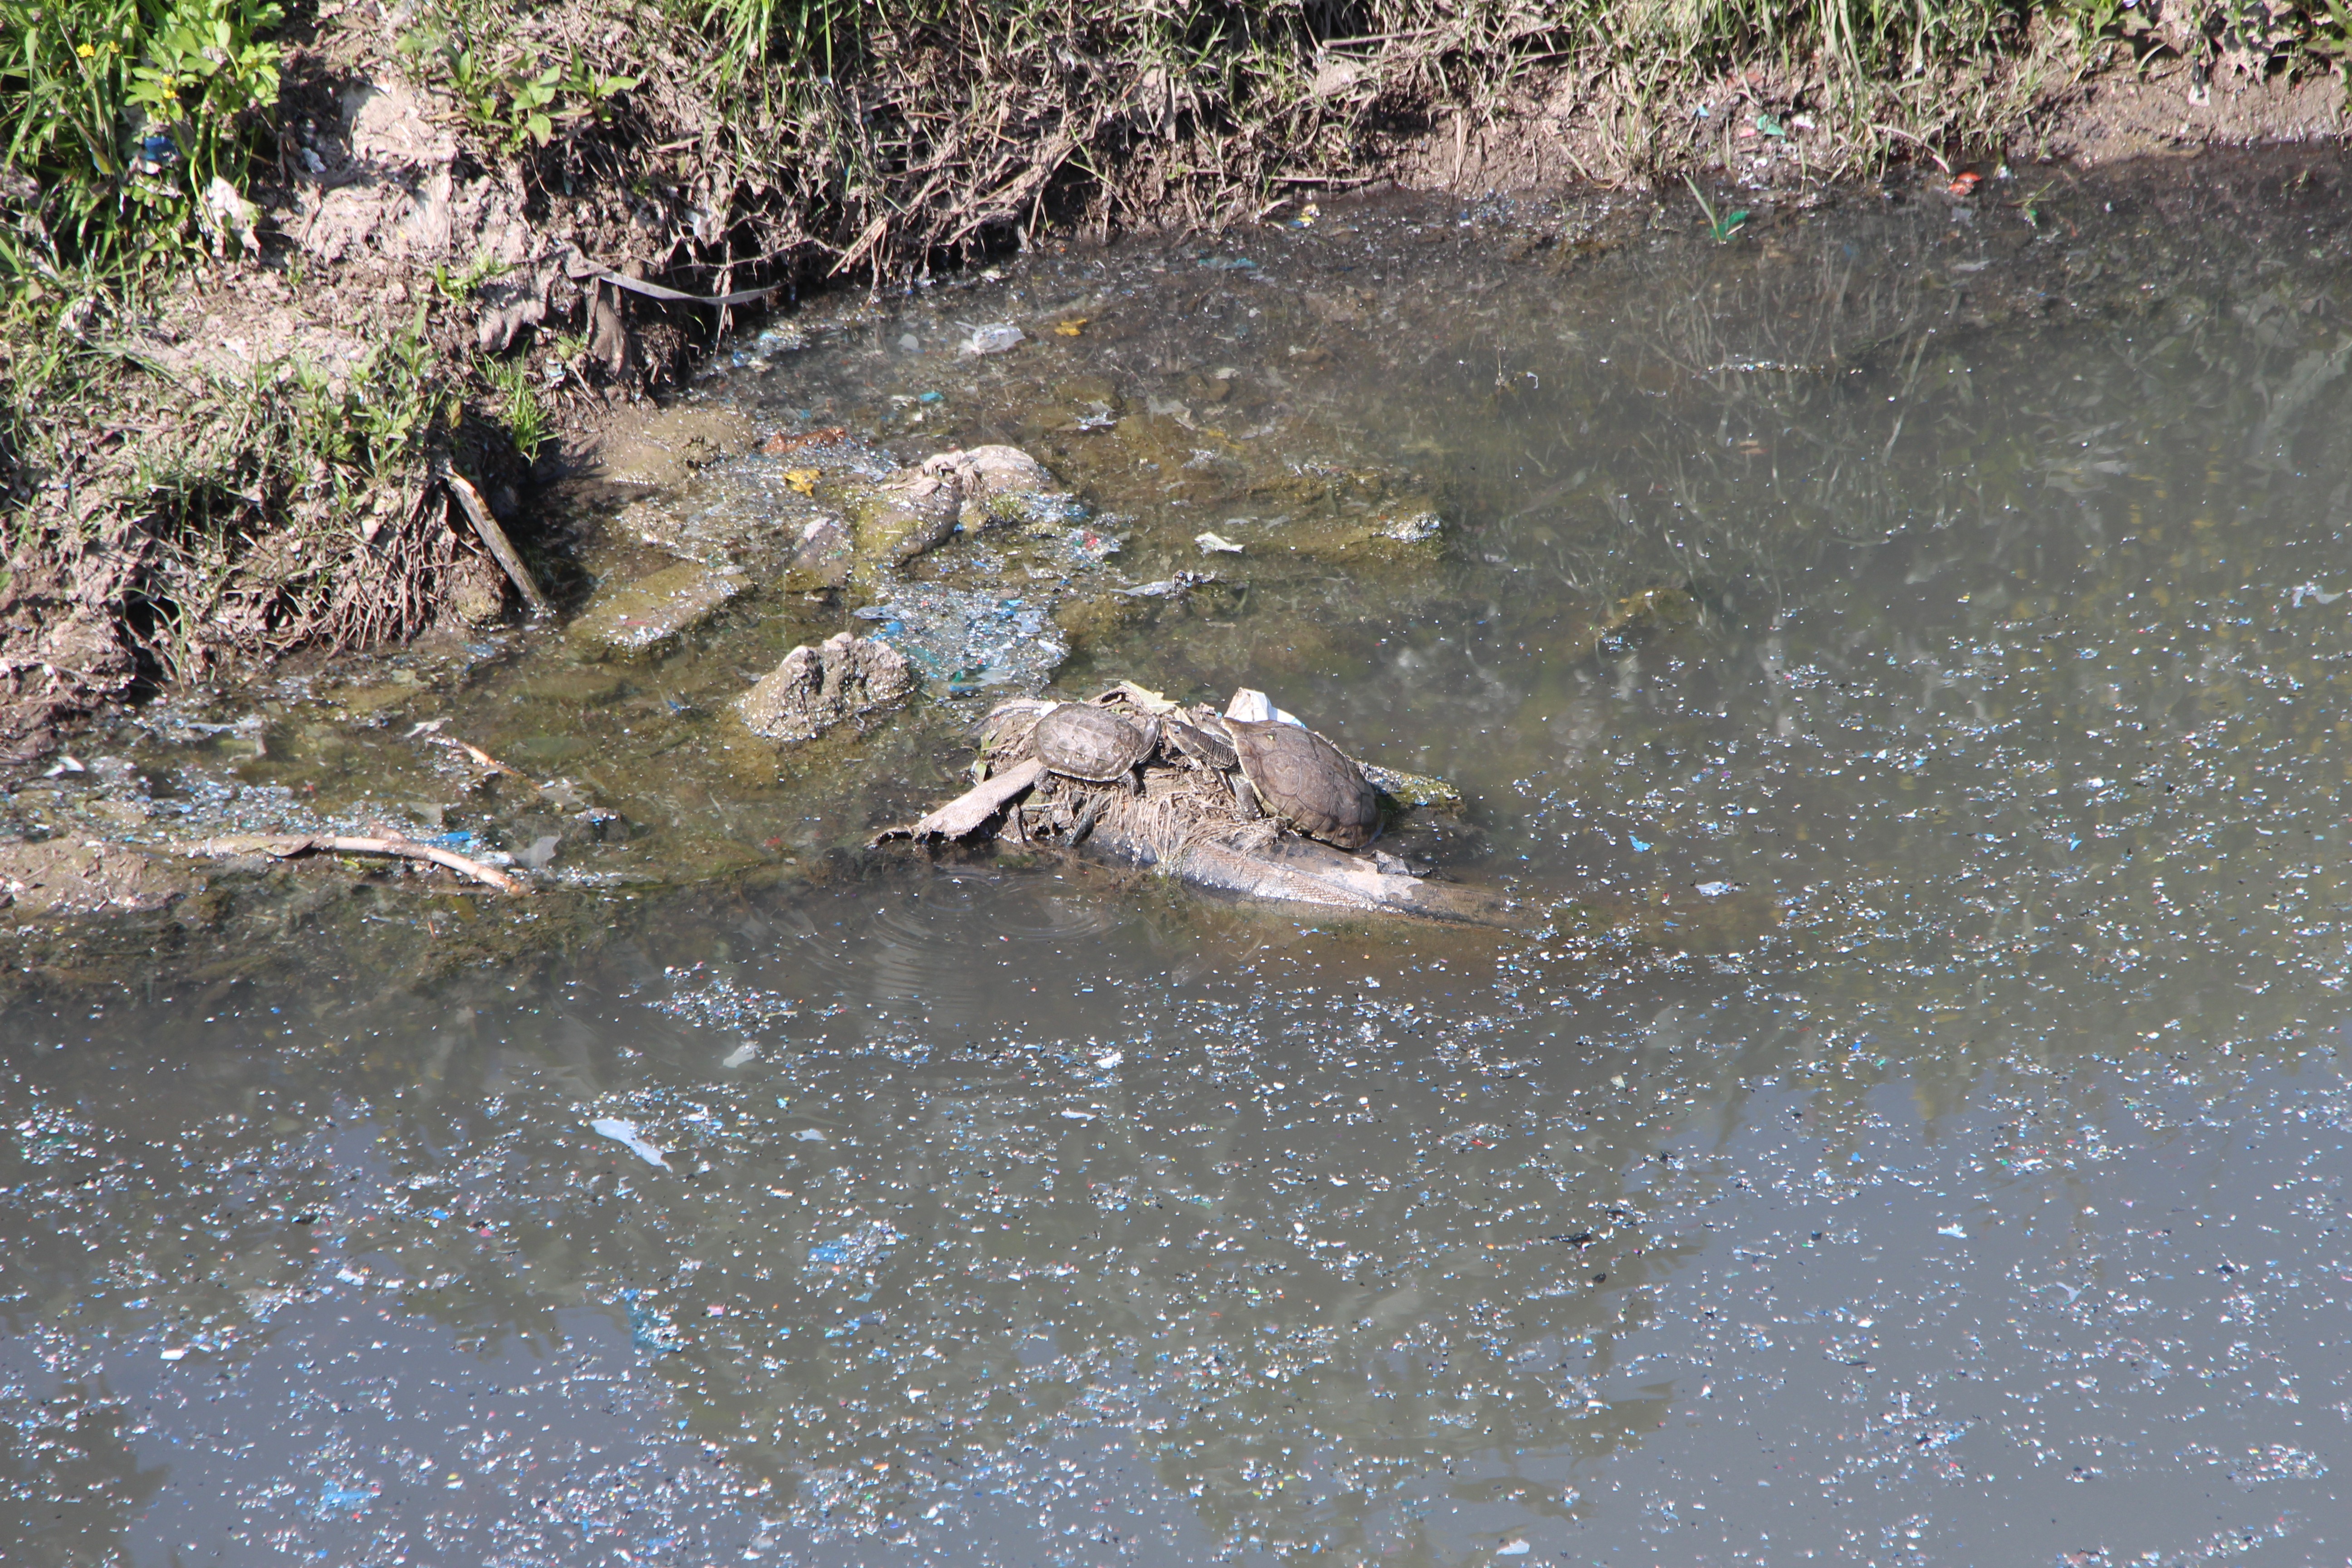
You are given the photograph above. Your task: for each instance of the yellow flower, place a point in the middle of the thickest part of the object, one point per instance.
(86, 52)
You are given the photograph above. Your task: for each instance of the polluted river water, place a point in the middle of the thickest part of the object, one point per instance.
(1893, 657)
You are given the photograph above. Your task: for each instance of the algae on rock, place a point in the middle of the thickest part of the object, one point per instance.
(652, 611)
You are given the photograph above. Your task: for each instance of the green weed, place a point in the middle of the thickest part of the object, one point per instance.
(505, 87)
(518, 404)
(460, 286)
(1719, 228)
(119, 115)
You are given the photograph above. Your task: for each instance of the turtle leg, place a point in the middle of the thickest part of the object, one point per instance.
(1245, 796)
(1133, 779)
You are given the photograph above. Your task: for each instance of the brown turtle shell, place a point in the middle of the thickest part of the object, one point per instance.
(1082, 740)
(1302, 778)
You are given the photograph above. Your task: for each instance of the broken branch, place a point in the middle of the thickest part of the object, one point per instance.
(286, 846)
(968, 813)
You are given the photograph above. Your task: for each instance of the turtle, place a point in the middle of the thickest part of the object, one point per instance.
(1303, 779)
(1091, 744)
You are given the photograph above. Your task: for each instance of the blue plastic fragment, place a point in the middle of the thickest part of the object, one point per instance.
(333, 1498)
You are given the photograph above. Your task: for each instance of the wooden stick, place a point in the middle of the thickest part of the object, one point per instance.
(502, 548)
(969, 812)
(483, 759)
(285, 846)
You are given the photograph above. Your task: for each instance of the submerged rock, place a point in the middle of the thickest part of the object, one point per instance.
(816, 688)
(644, 614)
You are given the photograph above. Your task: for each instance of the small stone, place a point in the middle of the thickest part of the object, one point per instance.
(817, 687)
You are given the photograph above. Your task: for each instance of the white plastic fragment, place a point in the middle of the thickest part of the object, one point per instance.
(1215, 544)
(1959, 1230)
(808, 1135)
(743, 1053)
(994, 338)
(1713, 889)
(1256, 707)
(625, 1133)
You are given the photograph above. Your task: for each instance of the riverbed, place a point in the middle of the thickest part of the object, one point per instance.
(1892, 648)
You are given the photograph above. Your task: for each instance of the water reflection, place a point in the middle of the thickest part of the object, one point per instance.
(1914, 1138)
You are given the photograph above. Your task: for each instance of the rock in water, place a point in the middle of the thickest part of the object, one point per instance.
(920, 508)
(647, 614)
(816, 688)
(820, 559)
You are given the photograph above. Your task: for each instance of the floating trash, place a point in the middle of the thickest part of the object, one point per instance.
(996, 338)
(965, 639)
(335, 1500)
(862, 1249)
(649, 1327)
(625, 1133)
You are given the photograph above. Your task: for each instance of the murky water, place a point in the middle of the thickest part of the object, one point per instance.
(1914, 1131)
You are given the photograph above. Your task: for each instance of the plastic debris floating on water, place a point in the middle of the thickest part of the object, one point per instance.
(994, 338)
(1168, 587)
(333, 1498)
(963, 639)
(863, 1249)
(649, 1326)
(1215, 544)
(625, 1133)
